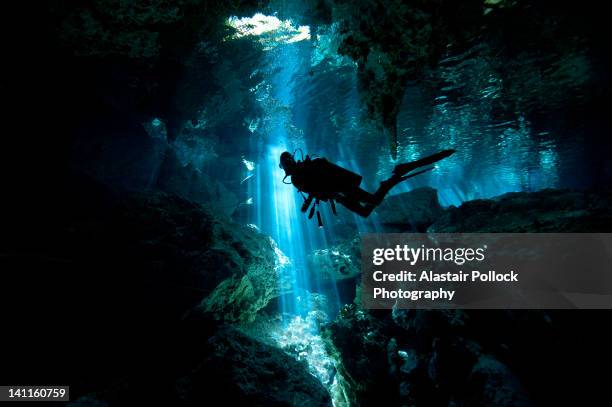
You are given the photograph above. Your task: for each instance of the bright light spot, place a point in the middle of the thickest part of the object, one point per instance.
(249, 201)
(253, 125)
(548, 159)
(156, 122)
(282, 260)
(256, 25)
(302, 339)
(250, 165)
(248, 177)
(303, 34)
(270, 29)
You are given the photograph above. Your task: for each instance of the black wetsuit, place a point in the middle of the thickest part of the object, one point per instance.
(323, 180)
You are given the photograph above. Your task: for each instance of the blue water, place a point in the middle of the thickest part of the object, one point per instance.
(310, 100)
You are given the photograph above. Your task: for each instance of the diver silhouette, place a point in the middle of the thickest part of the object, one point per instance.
(324, 181)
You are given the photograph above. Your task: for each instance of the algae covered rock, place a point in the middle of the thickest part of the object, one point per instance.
(252, 285)
(358, 342)
(237, 269)
(207, 364)
(341, 262)
(243, 371)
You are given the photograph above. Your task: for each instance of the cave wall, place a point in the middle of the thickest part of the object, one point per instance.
(117, 90)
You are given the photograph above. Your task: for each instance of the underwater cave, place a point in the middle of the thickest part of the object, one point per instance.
(154, 252)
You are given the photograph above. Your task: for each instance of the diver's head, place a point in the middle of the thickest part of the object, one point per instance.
(287, 162)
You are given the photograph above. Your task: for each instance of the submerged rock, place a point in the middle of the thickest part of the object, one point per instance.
(359, 342)
(341, 262)
(123, 270)
(225, 365)
(455, 357)
(241, 296)
(548, 210)
(412, 211)
(195, 185)
(493, 384)
(242, 371)
(336, 271)
(236, 268)
(419, 358)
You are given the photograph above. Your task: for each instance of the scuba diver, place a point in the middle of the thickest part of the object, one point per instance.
(319, 180)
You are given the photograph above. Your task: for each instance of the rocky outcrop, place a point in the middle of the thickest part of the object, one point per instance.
(194, 184)
(336, 263)
(228, 366)
(242, 371)
(119, 67)
(543, 211)
(427, 358)
(240, 296)
(358, 342)
(477, 357)
(122, 270)
(549, 210)
(235, 268)
(412, 211)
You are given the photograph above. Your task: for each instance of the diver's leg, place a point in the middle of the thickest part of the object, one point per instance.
(352, 204)
(362, 202)
(386, 186)
(361, 195)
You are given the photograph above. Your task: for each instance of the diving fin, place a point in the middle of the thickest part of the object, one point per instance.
(403, 169)
(386, 186)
